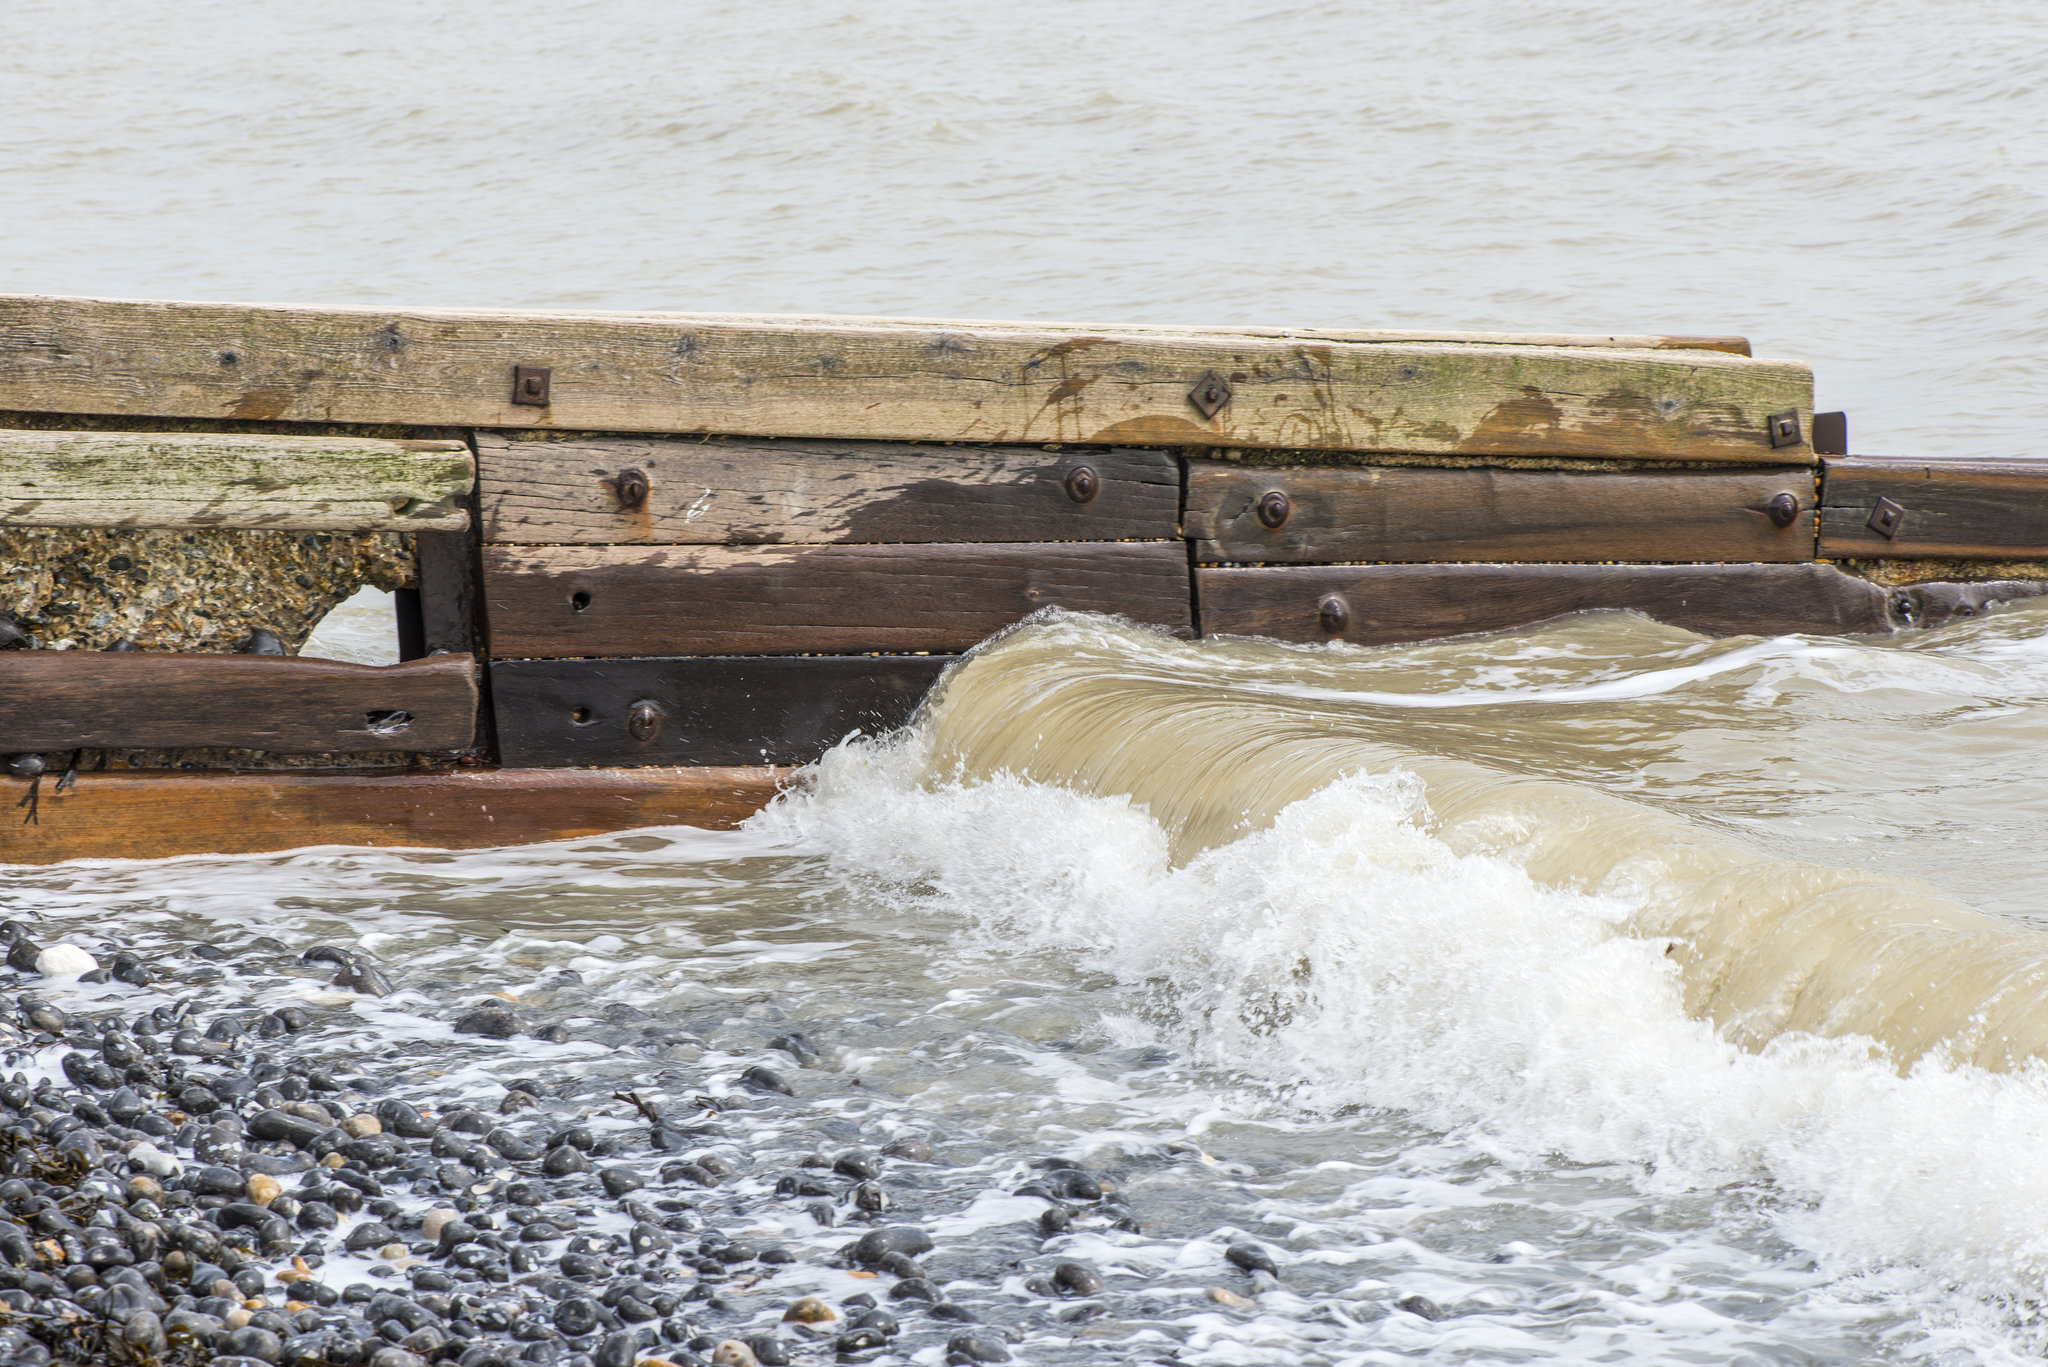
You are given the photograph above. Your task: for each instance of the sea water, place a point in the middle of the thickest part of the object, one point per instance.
(1405, 963)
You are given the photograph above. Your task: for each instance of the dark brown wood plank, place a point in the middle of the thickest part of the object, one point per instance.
(1995, 510)
(751, 492)
(62, 700)
(1396, 513)
(899, 380)
(777, 709)
(450, 594)
(157, 816)
(1389, 604)
(552, 602)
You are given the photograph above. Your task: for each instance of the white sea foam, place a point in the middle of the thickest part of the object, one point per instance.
(1345, 957)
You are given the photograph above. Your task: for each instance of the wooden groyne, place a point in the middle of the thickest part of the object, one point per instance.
(648, 561)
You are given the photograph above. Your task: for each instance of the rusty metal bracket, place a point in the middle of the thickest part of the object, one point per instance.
(531, 385)
(1886, 518)
(1784, 428)
(1210, 393)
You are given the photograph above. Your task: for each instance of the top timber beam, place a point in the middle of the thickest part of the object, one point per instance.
(897, 380)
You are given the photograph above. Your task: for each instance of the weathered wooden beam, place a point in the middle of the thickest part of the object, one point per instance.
(1636, 341)
(1391, 604)
(892, 380)
(663, 490)
(157, 816)
(1901, 508)
(786, 709)
(72, 699)
(550, 602)
(207, 479)
(1247, 513)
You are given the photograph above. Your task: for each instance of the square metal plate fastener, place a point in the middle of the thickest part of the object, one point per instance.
(1784, 428)
(1210, 393)
(1831, 434)
(1886, 518)
(530, 385)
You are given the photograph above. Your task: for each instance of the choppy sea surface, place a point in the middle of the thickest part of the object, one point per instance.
(1409, 1061)
(1862, 187)
(1419, 1027)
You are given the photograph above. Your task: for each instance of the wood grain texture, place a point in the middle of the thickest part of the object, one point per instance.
(158, 816)
(891, 380)
(1416, 514)
(1996, 510)
(203, 479)
(67, 699)
(1390, 604)
(754, 492)
(551, 602)
(698, 710)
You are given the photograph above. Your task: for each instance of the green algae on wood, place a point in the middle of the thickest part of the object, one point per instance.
(242, 480)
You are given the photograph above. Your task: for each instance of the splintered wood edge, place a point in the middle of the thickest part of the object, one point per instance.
(162, 815)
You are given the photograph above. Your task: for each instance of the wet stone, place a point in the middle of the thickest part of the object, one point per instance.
(490, 1020)
(563, 1160)
(1076, 1279)
(877, 1244)
(1251, 1258)
(618, 1181)
(976, 1346)
(765, 1080)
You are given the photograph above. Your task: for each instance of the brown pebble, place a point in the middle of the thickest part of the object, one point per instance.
(1224, 1296)
(263, 1188)
(733, 1353)
(332, 1160)
(144, 1188)
(362, 1123)
(238, 1317)
(434, 1221)
(809, 1310)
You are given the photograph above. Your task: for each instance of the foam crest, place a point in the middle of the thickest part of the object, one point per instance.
(1346, 955)
(1764, 945)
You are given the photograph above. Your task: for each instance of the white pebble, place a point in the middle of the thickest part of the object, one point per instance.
(154, 1160)
(65, 961)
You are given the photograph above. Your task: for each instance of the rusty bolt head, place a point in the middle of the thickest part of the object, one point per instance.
(643, 721)
(1783, 428)
(532, 385)
(1209, 394)
(1273, 509)
(630, 487)
(1083, 484)
(1783, 509)
(1333, 614)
